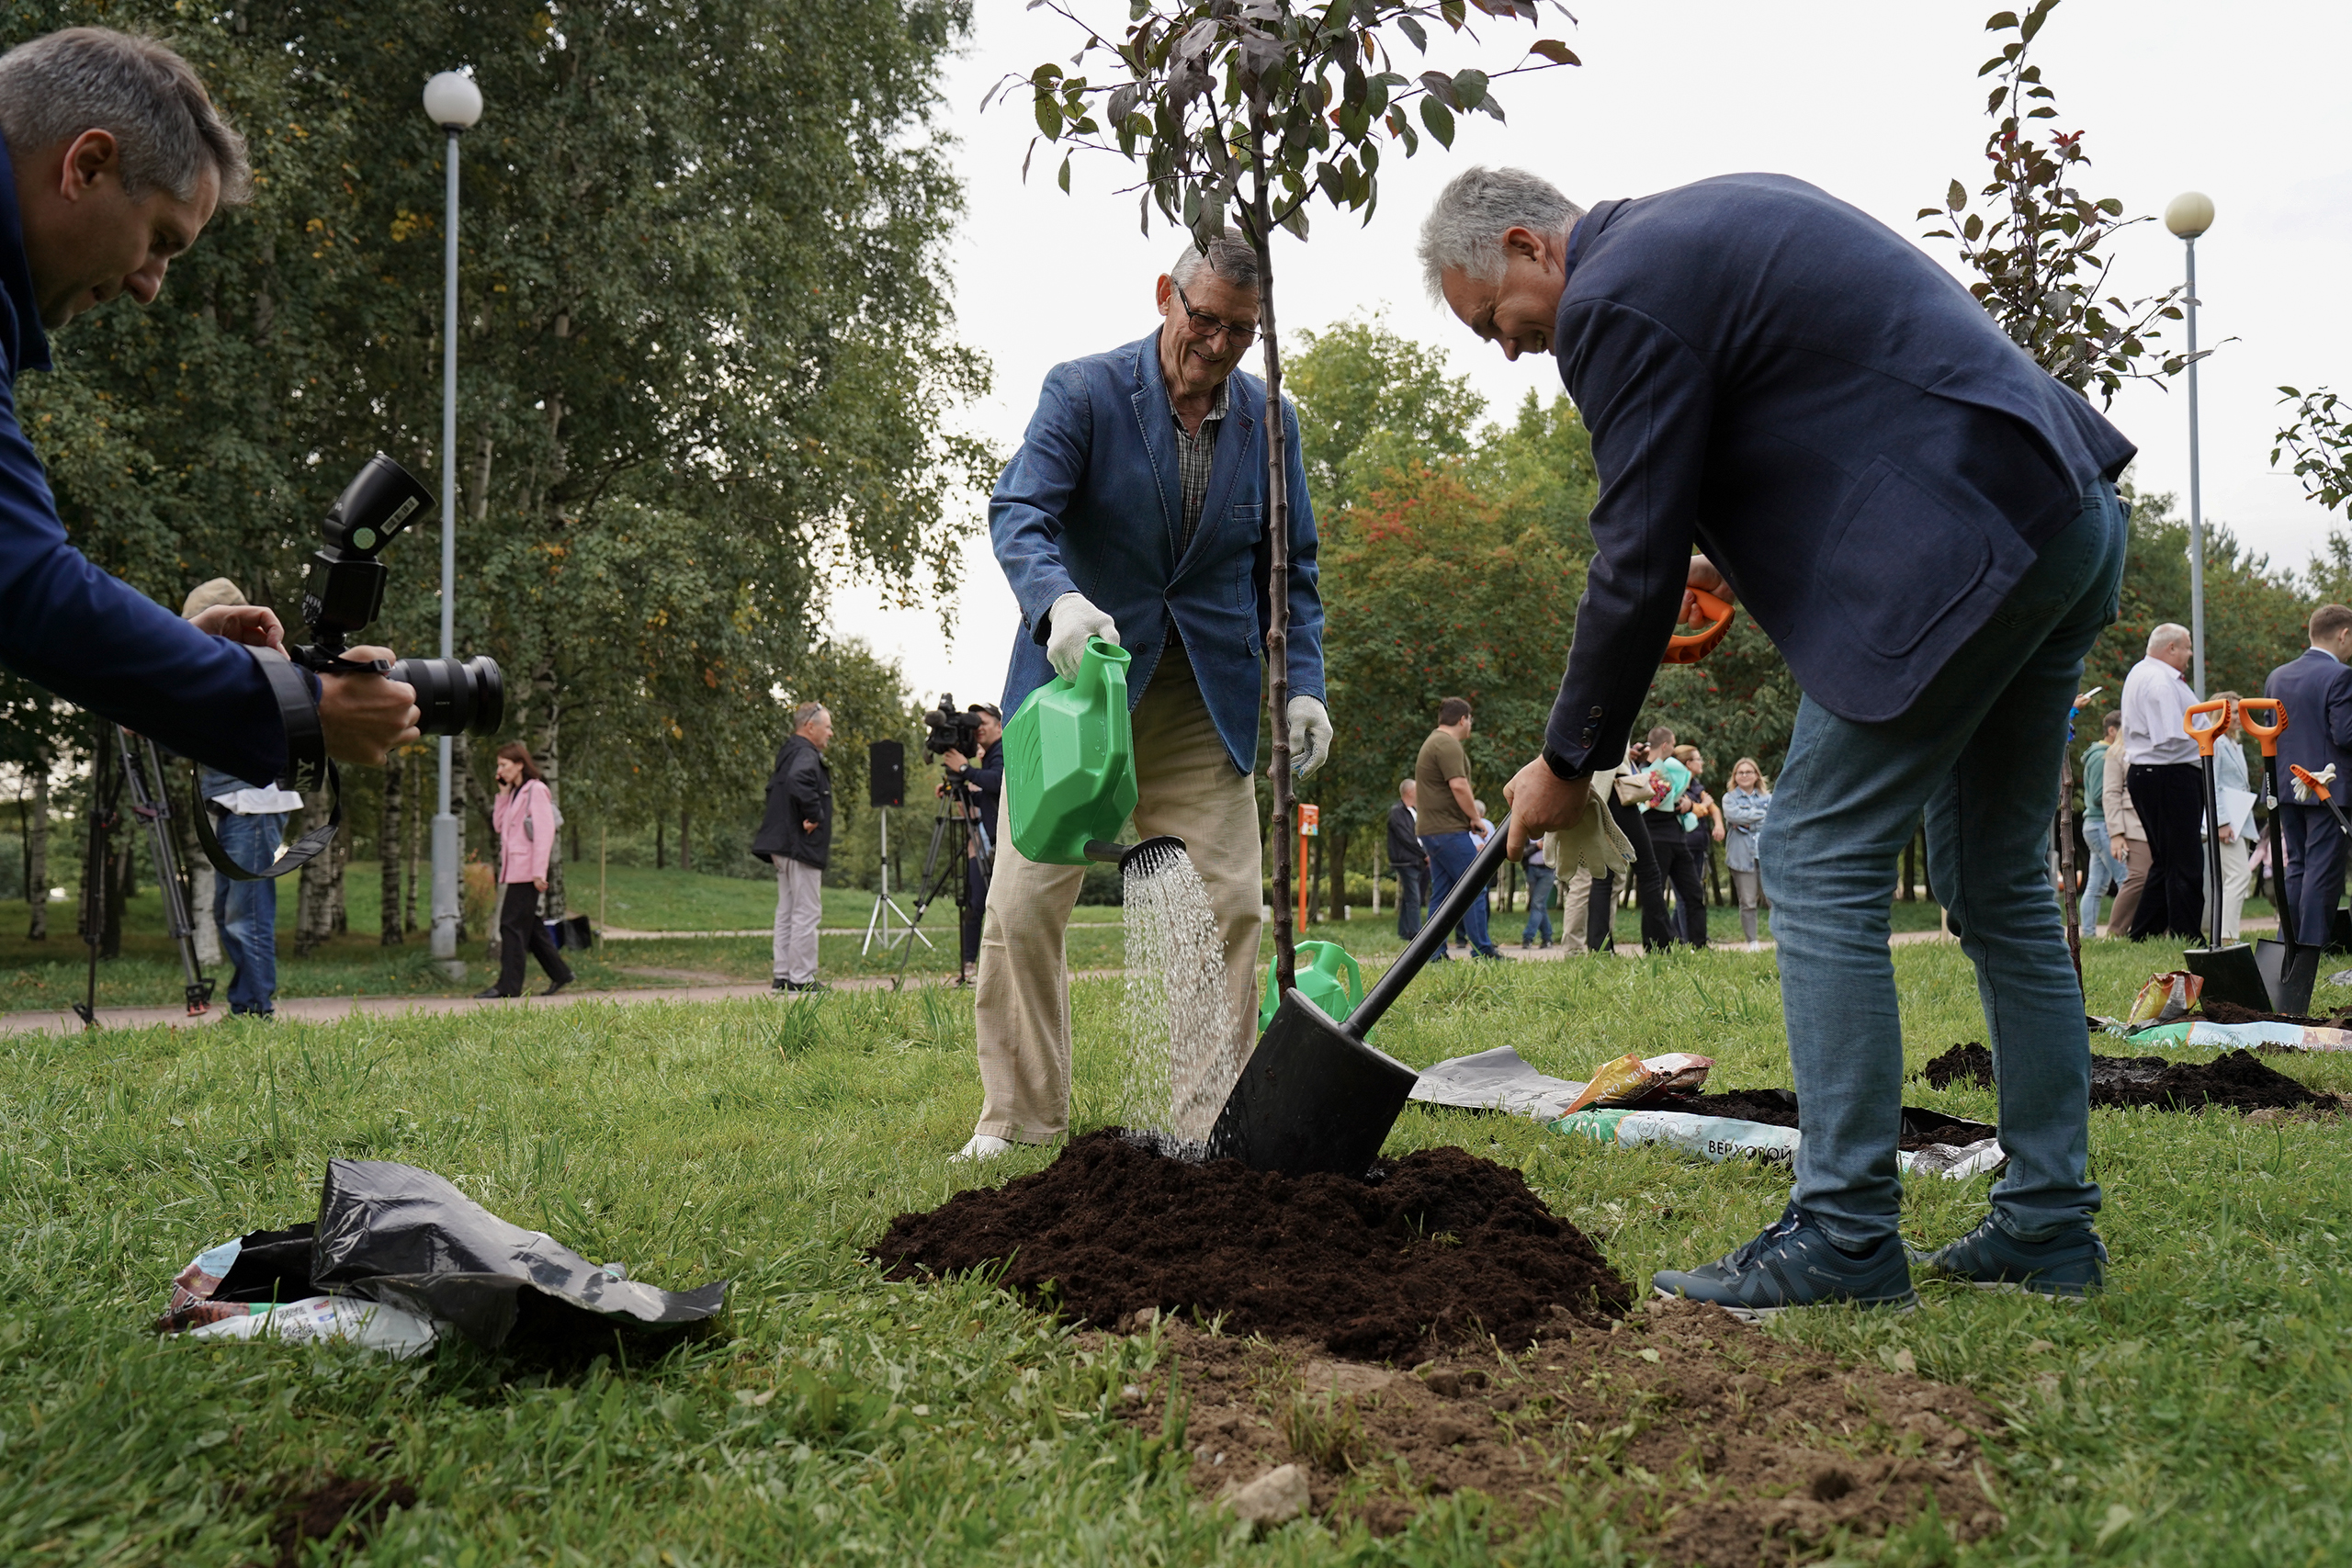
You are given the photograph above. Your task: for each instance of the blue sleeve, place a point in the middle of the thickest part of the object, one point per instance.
(2339, 711)
(1025, 512)
(989, 772)
(92, 640)
(1649, 402)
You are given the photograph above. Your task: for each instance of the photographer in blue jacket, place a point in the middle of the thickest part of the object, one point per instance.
(1925, 525)
(115, 160)
(1135, 512)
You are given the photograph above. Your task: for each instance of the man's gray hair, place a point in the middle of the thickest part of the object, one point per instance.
(58, 85)
(1477, 207)
(1228, 256)
(2168, 635)
(805, 714)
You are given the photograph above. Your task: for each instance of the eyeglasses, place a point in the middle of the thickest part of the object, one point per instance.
(1207, 326)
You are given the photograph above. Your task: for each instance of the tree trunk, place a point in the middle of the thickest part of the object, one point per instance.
(321, 882)
(409, 833)
(387, 852)
(685, 838)
(549, 753)
(661, 860)
(122, 882)
(1277, 565)
(471, 802)
(37, 853)
(1336, 859)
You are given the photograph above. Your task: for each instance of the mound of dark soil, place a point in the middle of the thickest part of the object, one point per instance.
(1922, 1126)
(2238, 1080)
(1710, 1443)
(343, 1508)
(2219, 1011)
(1440, 1246)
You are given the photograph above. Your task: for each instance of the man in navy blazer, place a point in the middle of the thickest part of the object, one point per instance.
(2316, 691)
(1136, 511)
(1926, 525)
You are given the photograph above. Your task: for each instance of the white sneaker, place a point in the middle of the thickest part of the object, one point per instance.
(982, 1146)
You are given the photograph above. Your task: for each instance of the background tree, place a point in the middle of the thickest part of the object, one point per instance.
(1251, 108)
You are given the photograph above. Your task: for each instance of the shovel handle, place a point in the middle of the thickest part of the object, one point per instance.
(1442, 921)
(1689, 648)
(2205, 737)
(2263, 729)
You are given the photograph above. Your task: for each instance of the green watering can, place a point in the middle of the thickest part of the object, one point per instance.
(1069, 760)
(1327, 976)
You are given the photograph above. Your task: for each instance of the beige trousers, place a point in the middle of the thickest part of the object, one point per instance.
(1187, 786)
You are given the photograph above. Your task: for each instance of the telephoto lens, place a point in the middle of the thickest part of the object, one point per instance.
(456, 696)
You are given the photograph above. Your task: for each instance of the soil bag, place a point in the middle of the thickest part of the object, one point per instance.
(2197, 1034)
(1959, 1150)
(2164, 997)
(1499, 1080)
(396, 1233)
(1634, 1080)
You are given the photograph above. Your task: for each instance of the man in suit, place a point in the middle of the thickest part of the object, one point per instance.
(1408, 861)
(1136, 511)
(1925, 524)
(2316, 691)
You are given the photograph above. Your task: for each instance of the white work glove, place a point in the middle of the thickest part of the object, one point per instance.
(2303, 795)
(1072, 620)
(1596, 842)
(1310, 734)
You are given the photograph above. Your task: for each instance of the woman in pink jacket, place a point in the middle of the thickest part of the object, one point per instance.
(524, 817)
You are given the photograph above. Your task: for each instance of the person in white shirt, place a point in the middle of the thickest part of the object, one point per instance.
(2167, 787)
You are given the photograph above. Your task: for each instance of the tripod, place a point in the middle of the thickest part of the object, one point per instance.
(877, 923)
(957, 831)
(142, 770)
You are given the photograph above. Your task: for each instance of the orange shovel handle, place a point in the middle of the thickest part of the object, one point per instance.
(2264, 729)
(2205, 738)
(1690, 648)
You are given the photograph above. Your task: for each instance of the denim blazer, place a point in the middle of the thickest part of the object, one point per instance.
(1090, 504)
(1744, 811)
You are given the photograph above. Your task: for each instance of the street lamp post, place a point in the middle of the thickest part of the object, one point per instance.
(454, 103)
(2188, 215)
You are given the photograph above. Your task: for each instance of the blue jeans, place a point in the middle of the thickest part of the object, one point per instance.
(1539, 879)
(246, 912)
(1412, 899)
(2102, 876)
(1450, 857)
(1978, 752)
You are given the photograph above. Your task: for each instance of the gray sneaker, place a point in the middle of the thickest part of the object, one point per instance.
(2067, 1267)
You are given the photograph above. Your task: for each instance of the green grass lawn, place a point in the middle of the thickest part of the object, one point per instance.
(2196, 1413)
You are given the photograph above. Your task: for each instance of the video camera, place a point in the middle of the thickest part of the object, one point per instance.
(342, 592)
(948, 731)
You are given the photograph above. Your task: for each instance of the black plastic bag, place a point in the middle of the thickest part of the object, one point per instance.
(396, 1233)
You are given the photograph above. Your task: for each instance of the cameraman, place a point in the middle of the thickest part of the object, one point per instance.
(115, 160)
(979, 786)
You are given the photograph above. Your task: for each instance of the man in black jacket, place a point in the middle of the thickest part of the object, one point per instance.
(1925, 524)
(1410, 861)
(797, 834)
(982, 787)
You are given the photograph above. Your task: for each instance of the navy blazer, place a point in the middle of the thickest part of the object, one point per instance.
(87, 635)
(1781, 380)
(2316, 692)
(1090, 506)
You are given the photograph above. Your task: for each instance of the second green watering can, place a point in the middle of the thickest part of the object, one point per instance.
(1069, 760)
(1327, 976)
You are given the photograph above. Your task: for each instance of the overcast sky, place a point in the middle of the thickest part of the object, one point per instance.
(1877, 103)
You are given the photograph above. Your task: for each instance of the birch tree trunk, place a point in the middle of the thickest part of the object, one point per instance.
(387, 852)
(37, 855)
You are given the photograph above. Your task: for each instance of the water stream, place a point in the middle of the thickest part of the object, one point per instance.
(1185, 1049)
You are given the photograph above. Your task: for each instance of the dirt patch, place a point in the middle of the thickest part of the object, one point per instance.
(2219, 1011)
(2237, 1080)
(1440, 1247)
(342, 1508)
(1923, 1127)
(1715, 1443)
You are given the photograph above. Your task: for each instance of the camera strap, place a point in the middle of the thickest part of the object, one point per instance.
(308, 768)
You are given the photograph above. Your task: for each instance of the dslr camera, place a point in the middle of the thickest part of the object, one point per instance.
(946, 729)
(342, 592)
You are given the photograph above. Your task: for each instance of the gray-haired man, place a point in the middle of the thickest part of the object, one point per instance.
(797, 835)
(2166, 786)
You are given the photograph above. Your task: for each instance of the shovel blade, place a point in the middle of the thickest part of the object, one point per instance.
(2231, 975)
(1313, 1098)
(2289, 971)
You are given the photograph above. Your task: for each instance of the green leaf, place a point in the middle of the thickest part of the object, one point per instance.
(2001, 20)
(1440, 120)
(1050, 118)
(1063, 178)
(1439, 86)
(1956, 197)
(1556, 51)
(1413, 29)
(1469, 89)
(2111, 207)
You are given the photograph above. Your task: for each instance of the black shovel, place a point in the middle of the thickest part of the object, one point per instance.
(2289, 966)
(1315, 1096)
(2230, 970)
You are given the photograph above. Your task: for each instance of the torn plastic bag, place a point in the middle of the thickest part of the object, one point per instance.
(1499, 1080)
(2164, 997)
(1632, 1081)
(2197, 1034)
(1721, 1138)
(396, 1233)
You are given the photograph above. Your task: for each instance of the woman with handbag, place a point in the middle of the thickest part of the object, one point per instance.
(526, 818)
